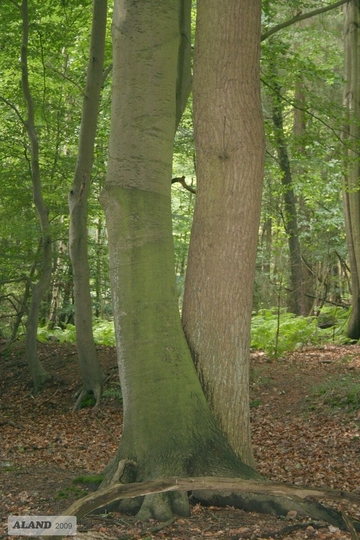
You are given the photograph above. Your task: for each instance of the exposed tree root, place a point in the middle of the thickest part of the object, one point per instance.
(96, 393)
(276, 505)
(162, 506)
(255, 496)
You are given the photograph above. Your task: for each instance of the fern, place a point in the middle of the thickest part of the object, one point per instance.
(114, 392)
(276, 333)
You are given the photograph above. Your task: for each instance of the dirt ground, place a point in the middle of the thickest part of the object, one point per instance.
(45, 446)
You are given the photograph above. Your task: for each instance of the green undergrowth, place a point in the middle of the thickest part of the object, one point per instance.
(276, 332)
(337, 392)
(71, 491)
(88, 401)
(103, 331)
(94, 479)
(113, 392)
(273, 331)
(80, 487)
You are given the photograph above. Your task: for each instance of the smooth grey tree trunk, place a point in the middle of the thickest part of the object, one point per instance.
(91, 372)
(229, 140)
(38, 289)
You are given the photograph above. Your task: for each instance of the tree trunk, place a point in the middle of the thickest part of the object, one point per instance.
(38, 290)
(229, 143)
(92, 374)
(299, 132)
(351, 193)
(168, 427)
(184, 79)
(297, 302)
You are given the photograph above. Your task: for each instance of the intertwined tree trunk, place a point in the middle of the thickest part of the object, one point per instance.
(168, 428)
(229, 142)
(92, 374)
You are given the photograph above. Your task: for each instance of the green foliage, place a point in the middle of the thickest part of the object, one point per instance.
(103, 333)
(58, 57)
(71, 491)
(88, 401)
(114, 392)
(274, 333)
(66, 335)
(309, 73)
(278, 332)
(182, 200)
(89, 479)
(255, 403)
(339, 392)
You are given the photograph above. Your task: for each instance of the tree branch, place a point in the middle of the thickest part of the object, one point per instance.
(65, 77)
(300, 17)
(14, 280)
(307, 111)
(12, 106)
(181, 180)
(106, 72)
(15, 4)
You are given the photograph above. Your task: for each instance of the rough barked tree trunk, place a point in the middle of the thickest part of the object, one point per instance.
(351, 192)
(38, 289)
(168, 428)
(92, 374)
(229, 141)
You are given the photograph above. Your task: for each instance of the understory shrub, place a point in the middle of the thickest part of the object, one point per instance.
(276, 332)
(103, 331)
(273, 331)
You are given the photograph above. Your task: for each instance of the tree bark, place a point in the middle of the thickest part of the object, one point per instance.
(92, 374)
(38, 290)
(229, 143)
(299, 132)
(297, 301)
(184, 79)
(351, 193)
(168, 427)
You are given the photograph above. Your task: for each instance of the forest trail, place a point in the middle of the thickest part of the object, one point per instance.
(306, 430)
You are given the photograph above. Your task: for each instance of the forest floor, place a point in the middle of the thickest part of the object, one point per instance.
(300, 435)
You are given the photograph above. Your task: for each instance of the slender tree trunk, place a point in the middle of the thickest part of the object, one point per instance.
(38, 290)
(98, 280)
(297, 303)
(229, 141)
(351, 193)
(25, 298)
(168, 427)
(92, 374)
(299, 131)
